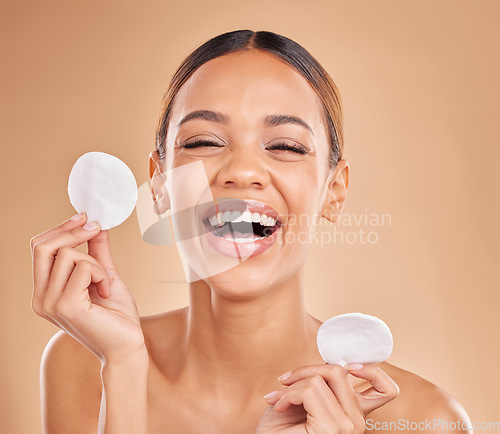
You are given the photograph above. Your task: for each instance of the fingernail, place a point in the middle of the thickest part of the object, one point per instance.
(91, 226)
(285, 376)
(354, 367)
(270, 395)
(78, 216)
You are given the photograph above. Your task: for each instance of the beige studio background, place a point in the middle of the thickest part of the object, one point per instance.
(419, 85)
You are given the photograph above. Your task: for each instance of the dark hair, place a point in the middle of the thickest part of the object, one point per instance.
(280, 46)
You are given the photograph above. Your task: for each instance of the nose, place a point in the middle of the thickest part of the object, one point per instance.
(243, 168)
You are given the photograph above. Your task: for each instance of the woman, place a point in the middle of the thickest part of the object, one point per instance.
(263, 121)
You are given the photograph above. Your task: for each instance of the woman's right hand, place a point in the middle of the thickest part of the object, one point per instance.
(320, 399)
(83, 294)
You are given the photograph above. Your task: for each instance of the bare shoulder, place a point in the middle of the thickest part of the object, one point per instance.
(70, 385)
(421, 406)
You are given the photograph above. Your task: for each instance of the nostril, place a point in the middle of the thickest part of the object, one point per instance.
(243, 173)
(242, 185)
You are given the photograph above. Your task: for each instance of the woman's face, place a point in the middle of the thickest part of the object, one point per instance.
(261, 139)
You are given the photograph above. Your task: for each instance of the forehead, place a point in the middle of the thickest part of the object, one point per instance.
(249, 85)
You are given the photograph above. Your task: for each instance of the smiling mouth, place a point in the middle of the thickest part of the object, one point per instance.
(257, 222)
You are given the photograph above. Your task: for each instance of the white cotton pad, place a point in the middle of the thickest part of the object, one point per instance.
(354, 338)
(104, 187)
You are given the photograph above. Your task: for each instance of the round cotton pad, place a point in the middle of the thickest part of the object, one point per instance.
(104, 187)
(354, 338)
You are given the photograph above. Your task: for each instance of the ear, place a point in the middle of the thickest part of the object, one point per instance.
(158, 182)
(336, 195)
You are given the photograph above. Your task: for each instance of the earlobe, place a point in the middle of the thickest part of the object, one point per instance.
(336, 196)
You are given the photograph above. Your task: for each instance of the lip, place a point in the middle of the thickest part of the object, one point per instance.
(241, 250)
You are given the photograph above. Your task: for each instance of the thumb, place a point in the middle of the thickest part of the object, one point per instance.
(99, 249)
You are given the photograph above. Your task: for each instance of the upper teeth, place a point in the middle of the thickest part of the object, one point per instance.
(238, 216)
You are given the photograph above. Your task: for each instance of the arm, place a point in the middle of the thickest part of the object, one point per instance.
(421, 406)
(124, 396)
(445, 414)
(71, 390)
(70, 387)
(85, 296)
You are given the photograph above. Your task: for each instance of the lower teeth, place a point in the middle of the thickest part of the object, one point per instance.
(232, 235)
(241, 240)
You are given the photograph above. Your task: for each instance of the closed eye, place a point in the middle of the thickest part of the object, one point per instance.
(299, 149)
(199, 144)
(296, 148)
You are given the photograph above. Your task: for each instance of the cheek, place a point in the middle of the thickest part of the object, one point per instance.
(302, 196)
(188, 186)
(302, 189)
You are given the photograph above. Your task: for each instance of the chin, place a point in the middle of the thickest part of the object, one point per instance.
(246, 280)
(253, 278)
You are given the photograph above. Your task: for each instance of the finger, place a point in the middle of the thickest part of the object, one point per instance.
(100, 249)
(304, 372)
(44, 252)
(75, 221)
(383, 390)
(74, 302)
(317, 382)
(64, 265)
(334, 375)
(323, 410)
(336, 378)
(66, 260)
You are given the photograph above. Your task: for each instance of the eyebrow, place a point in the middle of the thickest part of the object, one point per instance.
(206, 115)
(275, 120)
(270, 120)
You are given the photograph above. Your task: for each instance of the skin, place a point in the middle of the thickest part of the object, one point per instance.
(243, 168)
(246, 326)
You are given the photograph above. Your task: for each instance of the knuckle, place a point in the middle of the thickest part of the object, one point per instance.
(359, 424)
(77, 232)
(347, 426)
(39, 248)
(62, 308)
(84, 266)
(37, 309)
(47, 308)
(309, 392)
(337, 370)
(316, 380)
(65, 252)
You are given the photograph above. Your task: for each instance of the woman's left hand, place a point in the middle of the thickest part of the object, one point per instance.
(320, 399)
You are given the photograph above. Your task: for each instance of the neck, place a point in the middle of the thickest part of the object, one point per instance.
(246, 344)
